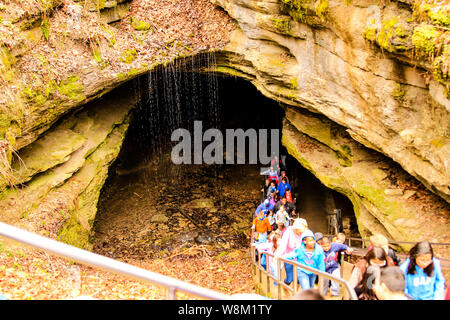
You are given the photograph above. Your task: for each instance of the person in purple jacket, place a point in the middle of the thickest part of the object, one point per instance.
(331, 250)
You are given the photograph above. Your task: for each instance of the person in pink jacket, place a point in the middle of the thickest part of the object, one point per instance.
(290, 241)
(291, 237)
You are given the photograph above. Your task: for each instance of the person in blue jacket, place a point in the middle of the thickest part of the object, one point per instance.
(331, 250)
(265, 207)
(282, 186)
(310, 254)
(424, 278)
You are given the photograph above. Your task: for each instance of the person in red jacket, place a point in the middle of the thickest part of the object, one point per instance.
(273, 175)
(288, 195)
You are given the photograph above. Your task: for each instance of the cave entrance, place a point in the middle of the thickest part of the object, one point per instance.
(150, 207)
(314, 201)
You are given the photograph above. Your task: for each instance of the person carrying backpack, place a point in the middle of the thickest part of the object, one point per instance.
(271, 189)
(378, 240)
(273, 174)
(288, 196)
(282, 217)
(290, 207)
(276, 164)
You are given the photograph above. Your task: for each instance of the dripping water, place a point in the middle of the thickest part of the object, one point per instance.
(174, 97)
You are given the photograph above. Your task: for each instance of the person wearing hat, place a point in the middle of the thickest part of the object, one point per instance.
(378, 240)
(319, 237)
(309, 254)
(290, 241)
(264, 207)
(261, 225)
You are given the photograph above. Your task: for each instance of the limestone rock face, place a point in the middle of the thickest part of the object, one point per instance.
(63, 172)
(384, 197)
(354, 63)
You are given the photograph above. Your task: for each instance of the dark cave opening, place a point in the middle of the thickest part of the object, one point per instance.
(172, 99)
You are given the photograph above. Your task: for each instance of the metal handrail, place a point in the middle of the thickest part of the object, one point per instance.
(351, 292)
(445, 263)
(395, 242)
(96, 260)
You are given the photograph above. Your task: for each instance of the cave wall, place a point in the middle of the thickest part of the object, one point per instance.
(329, 67)
(58, 55)
(59, 128)
(361, 90)
(357, 63)
(61, 174)
(385, 198)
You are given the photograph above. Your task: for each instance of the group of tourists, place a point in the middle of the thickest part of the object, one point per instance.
(379, 275)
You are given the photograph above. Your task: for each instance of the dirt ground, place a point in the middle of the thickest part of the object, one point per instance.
(190, 222)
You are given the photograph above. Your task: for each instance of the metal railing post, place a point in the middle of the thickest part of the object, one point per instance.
(171, 294)
(320, 284)
(351, 291)
(295, 276)
(279, 278)
(260, 269)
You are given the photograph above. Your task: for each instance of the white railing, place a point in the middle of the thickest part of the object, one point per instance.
(349, 291)
(85, 257)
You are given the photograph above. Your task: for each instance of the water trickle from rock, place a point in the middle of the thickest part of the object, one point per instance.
(174, 97)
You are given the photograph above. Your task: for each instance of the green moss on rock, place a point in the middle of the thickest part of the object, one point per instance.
(370, 33)
(322, 9)
(440, 15)
(293, 83)
(140, 25)
(424, 39)
(392, 36)
(45, 27)
(75, 235)
(306, 11)
(282, 24)
(128, 56)
(69, 88)
(399, 92)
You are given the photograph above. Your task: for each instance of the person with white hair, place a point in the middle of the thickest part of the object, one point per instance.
(378, 240)
(290, 241)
